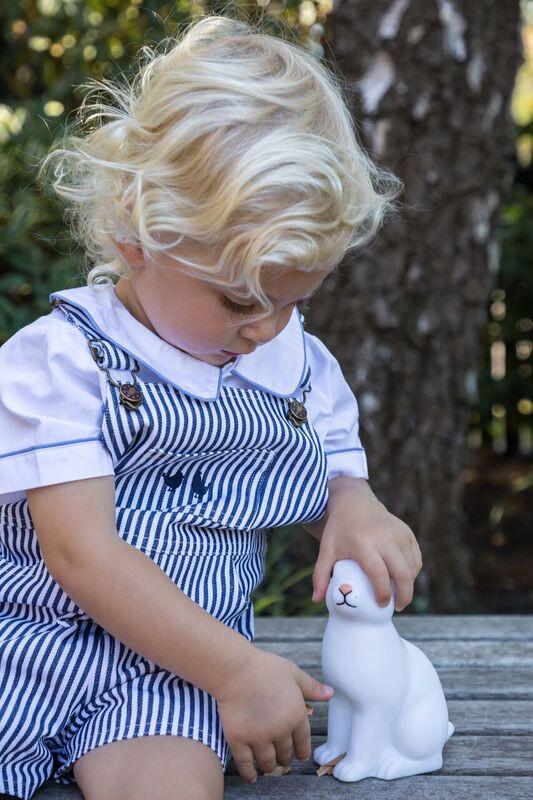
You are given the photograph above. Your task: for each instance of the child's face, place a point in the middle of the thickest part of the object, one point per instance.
(195, 315)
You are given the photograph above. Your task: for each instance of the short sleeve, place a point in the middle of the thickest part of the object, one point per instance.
(50, 409)
(334, 413)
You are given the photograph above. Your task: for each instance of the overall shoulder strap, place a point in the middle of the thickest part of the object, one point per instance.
(305, 383)
(106, 354)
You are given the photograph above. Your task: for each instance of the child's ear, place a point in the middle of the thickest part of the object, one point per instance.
(131, 253)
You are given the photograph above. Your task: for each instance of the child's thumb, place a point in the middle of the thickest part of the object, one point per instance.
(313, 689)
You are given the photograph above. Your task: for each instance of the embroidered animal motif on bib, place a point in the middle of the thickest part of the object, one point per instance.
(173, 481)
(198, 487)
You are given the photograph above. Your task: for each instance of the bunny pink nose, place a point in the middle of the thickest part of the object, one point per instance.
(345, 588)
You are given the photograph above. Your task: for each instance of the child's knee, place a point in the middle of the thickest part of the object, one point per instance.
(151, 768)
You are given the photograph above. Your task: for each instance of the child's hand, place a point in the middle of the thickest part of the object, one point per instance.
(263, 712)
(359, 527)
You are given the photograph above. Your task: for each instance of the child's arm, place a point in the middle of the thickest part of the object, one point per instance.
(366, 497)
(260, 695)
(124, 591)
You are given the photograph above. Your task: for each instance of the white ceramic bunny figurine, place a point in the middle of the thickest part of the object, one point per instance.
(388, 713)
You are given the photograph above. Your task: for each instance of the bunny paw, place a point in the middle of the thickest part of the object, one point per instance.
(326, 753)
(394, 766)
(350, 770)
(388, 768)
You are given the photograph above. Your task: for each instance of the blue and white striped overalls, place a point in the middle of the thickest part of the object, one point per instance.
(199, 484)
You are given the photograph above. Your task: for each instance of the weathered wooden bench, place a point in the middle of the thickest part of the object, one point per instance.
(485, 664)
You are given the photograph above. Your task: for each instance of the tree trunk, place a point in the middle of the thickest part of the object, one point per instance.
(433, 82)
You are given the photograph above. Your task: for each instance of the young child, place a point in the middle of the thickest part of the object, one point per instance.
(160, 421)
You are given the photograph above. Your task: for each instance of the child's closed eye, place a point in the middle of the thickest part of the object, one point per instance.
(238, 308)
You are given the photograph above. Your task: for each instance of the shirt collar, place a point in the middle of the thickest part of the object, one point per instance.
(277, 367)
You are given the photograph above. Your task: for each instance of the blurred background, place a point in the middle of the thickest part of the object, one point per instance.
(432, 322)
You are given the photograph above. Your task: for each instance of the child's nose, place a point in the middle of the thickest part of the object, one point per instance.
(260, 331)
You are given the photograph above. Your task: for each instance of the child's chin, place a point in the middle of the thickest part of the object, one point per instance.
(215, 359)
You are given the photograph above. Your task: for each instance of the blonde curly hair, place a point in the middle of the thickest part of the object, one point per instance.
(234, 140)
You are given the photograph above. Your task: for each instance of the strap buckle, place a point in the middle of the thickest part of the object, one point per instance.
(130, 394)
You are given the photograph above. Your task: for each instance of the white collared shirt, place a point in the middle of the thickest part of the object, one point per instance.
(52, 392)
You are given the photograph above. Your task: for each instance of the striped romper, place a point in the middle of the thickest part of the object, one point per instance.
(199, 484)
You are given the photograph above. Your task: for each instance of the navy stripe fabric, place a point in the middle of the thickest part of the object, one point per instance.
(199, 486)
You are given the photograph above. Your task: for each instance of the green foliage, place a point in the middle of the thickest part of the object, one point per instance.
(287, 589)
(49, 48)
(511, 322)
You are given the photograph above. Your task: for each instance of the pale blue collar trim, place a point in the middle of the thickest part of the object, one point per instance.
(277, 367)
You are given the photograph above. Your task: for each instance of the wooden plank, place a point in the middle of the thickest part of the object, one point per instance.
(418, 787)
(441, 652)
(463, 755)
(326, 787)
(477, 683)
(423, 626)
(53, 791)
(470, 717)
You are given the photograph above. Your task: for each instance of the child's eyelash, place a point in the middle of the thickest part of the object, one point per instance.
(236, 307)
(240, 309)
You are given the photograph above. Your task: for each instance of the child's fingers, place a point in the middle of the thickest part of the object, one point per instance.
(284, 751)
(323, 571)
(376, 569)
(244, 761)
(265, 755)
(414, 561)
(417, 555)
(400, 571)
(301, 737)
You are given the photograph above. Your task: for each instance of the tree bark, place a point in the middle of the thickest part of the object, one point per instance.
(429, 85)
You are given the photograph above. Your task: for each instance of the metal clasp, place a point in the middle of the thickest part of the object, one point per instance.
(297, 412)
(130, 394)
